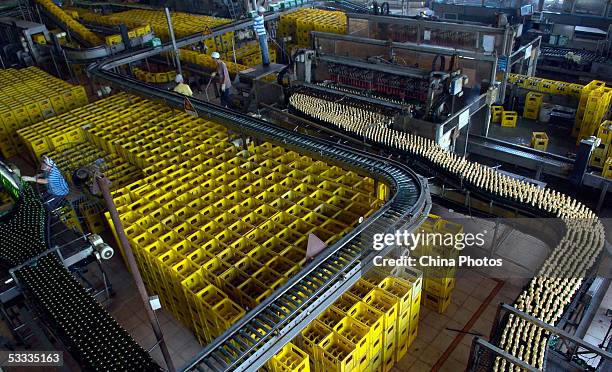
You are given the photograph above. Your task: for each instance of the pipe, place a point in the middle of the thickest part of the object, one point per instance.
(104, 183)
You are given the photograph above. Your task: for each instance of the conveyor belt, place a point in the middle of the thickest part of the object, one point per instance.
(86, 329)
(519, 155)
(263, 331)
(572, 260)
(82, 36)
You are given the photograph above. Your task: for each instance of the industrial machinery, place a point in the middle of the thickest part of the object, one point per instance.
(35, 262)
(250, 341)
(26, 43)
(406, 63)
(22, 42)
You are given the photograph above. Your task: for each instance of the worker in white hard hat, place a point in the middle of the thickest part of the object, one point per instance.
(181, 87)
(260, 30)
(224, 80)
(57, 187)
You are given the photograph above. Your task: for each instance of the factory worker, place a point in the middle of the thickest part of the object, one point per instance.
(262, 35)
(181, 87)
(224, 80)
(57, 187)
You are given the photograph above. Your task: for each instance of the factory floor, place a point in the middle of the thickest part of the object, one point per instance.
(598, 330)
(443, 340)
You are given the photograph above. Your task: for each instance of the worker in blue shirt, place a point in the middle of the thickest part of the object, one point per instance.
(57, 187)
(262, 35)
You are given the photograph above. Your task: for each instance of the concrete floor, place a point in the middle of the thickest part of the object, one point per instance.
(597, 332)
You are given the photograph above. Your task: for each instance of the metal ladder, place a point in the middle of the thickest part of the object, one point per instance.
(233, 8)
(24, 9)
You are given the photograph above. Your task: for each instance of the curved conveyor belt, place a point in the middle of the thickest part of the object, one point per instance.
(264, 330)
(548, 294)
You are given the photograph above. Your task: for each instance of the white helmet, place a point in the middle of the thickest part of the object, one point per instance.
(261, 9)
(178, 79)
(215, 55)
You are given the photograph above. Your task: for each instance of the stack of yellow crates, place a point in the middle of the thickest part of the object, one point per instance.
(370, 327)
(207, 62)
(533, 101)
(215, 228)
(71, 23)
(299, 24)
(28, 96)
(545, 86)
(438, 282)
(154, 77)
(184, 24)
(132, 34)
(504, 118)
(594, 104)
(254, 59)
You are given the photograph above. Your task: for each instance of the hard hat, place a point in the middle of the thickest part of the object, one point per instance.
(178, 78)
(261, 9)
(215, 55)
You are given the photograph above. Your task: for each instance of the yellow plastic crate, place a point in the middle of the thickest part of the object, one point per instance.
(290, 359)
(369, 316)
(346, 301)
(604, 131)
(509, 119)
(539, 141)
(607, 169)
(599, 155)
(312, 336)
(227, 313)
(436, 303)
(337, 354)
(331, 316)
(533, 101)
(496, 113)
(358, 334)
(401, 289)
(385, 303)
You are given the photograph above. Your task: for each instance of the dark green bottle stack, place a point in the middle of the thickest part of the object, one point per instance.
(88, 331)
(22, 231)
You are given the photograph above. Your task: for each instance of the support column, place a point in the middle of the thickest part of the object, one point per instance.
(487, 121)
(103, 184)
(176, 51)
